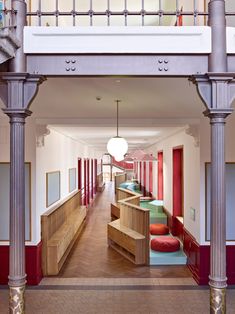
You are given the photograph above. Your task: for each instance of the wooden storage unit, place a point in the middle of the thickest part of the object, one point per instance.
(129, 196)
(118, 179)
(129, 235)
(60, 229)
(115, 211)
(123, 194)
(127, 242)
(100, 183)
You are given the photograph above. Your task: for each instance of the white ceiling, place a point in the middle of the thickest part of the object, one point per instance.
(141, 98)
(137, 137)
(150, 109)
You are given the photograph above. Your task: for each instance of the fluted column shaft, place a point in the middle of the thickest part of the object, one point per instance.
(17, 276)
(217, 278)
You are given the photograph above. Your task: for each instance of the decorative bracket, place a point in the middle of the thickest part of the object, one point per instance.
(193, 131)
(217, 91)
(17, 90)
(41, 132)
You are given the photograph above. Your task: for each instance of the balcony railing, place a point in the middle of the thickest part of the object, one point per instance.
(115, 12)
(111, 13)
(6, 14)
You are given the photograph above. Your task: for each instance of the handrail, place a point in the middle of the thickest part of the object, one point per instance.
(121, 8)
(38, 10)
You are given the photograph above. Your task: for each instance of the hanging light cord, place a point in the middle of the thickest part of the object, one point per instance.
(117, 116)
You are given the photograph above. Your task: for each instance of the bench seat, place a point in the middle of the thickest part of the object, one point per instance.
(61, 226)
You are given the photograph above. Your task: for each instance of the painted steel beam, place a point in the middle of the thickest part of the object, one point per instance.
(123, 65)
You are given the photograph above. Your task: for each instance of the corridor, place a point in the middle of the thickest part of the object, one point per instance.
(96, 280)
(91, 257)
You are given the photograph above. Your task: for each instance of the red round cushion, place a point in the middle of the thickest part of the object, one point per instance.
(159, 229)
(165, 244)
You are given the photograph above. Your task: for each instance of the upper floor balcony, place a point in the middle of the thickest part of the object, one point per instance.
(117, 26)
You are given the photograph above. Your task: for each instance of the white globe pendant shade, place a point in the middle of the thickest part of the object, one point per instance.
(117, 146)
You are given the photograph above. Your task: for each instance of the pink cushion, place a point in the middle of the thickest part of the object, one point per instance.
(165, 244)
(159, 229)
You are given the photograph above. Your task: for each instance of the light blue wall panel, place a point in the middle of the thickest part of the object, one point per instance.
(5, 201)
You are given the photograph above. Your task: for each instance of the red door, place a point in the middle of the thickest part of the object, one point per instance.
(160, 175)
(85, 181)
(92, 178)
(150, 177)
(88, 182)
(79, 173)
(95, 179)
(178, 182)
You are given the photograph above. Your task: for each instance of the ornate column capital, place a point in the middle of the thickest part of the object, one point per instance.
(17, 90)
(216, 90)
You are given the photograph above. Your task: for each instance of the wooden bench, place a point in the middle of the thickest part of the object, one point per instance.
(61, 226)
(127, 242)
(100, 183)
(129, 235)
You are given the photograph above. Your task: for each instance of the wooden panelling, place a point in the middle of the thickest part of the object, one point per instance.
(198, 258)
(123, 194)
(118, 179)
(60, 227)
(129, 235)
(128, 242)
(115, 211)
(100, 184)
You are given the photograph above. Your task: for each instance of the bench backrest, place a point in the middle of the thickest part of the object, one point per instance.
(55, 217)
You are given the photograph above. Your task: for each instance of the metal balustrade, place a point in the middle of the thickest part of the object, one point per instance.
(109, 12)
(6, 14)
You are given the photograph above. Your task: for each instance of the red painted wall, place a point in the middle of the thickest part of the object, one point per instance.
(198, 256)
(141, 176)
(88, 182)
(150, 177)
(92, 178)
(160, 175)
(95, 175)
(79, 173)
(145, 177)
(178, 182)
(85, 181)
(33, 256)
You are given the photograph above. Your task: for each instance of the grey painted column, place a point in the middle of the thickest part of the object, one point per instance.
(217, 21)
(18, 64)
(217, 278)
(17, 276)
(17, 91)
(218, 64)
(217, 92)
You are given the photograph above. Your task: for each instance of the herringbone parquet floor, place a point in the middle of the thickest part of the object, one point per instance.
(91, 257)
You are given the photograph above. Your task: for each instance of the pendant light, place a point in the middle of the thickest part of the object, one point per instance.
(117, 146)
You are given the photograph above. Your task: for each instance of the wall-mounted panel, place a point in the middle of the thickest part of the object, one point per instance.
(52, 187)
(5, 201)
(72, 179)
(230, 201)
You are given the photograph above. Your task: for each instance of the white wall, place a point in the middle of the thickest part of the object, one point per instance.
(60, 152)
(191, 177)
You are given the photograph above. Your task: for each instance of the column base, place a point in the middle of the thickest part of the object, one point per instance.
(217, 300)
(16, 300)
